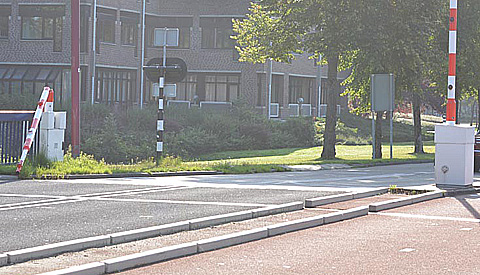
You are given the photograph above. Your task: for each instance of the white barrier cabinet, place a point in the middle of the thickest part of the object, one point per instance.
(454, 156)
(52, 134)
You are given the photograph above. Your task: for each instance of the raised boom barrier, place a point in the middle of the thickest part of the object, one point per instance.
(33, 128)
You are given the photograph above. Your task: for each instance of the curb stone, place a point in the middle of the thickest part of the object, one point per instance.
(379, 206)
(314, 202)
(232, 239)
(48, 250)
(128, 175)
(277, 209)
(3, 259)
(219, 219)
(149, 232)
(149, 257)
(96, 268)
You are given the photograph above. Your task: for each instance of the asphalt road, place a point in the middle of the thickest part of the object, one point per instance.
(42, 212)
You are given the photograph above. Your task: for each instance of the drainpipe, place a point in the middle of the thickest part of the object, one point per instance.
(94, 48)
(142, 63)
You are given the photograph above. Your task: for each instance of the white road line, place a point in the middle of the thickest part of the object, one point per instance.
(39, 205)
(30, 203)
(31, 196)
(402, 215)
(396, 175)
(127, 191)
(184, 202)
(144, 192)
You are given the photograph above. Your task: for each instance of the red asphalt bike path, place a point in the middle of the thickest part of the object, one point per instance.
(435, 237)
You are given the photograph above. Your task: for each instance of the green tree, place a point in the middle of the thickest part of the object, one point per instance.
(400, 38)
(278, 28)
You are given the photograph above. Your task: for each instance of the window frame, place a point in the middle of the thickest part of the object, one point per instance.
(5, 24)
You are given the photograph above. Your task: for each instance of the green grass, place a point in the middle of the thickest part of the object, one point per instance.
(7, 169)
(345, 154)
(237, 162)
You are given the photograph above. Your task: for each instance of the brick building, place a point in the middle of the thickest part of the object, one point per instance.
(35, 49)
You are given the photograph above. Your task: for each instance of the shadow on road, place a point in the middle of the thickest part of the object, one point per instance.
(469, 207)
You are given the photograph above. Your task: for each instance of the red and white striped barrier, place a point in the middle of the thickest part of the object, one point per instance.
(452, 60)
(47, 94)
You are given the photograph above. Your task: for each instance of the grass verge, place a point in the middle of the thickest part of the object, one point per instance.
(235, 162)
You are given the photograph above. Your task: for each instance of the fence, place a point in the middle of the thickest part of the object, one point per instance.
(13, 130)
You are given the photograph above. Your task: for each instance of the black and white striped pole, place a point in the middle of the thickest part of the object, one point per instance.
(160, 115)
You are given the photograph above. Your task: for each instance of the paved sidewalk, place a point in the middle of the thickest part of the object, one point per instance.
(434, 237)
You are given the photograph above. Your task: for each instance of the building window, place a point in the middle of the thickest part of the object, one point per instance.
(106, 25)
(187, 89)
(115, 86)
(5, 11)
(222, 88)
(216, 33)
(301, 87)
(41, 22)
(129, 23)
(84, 16)
(184, 25)
(277, 89)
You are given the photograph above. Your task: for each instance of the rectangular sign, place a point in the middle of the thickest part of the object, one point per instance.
(382, 92)
(165, 37)
(169, 90)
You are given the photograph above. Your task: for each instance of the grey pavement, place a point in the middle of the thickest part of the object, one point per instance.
(434, 237)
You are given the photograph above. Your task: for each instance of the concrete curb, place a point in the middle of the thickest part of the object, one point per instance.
(44, 251)
(232, 239)
(149, 257)
(3, 259)
(277, 209)
(128, 175)
(149, 232)
(23, 255)
(379, 206)
(309, 203)
(219, 219)
(96, 268)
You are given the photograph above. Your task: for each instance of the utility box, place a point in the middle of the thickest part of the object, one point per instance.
(454, 156)
(48, 121)
(52, 134)
(52, 144)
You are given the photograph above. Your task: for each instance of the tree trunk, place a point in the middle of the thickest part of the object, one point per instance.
(378, 135)
(333, 91)
(417, 124)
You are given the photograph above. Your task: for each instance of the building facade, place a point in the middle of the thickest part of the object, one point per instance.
(35, 50)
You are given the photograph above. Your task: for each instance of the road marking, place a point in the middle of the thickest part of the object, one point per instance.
(39, 205)
(402, 215)
(184, 202)
(31, 196)
(30, 203)
(107, 196)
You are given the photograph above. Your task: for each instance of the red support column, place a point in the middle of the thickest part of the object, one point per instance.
(75, 70)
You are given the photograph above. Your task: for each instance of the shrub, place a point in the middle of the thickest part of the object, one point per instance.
(189, 133)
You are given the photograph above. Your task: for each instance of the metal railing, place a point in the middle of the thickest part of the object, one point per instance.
(13, 130)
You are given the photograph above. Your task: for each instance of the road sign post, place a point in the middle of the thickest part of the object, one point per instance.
(382, 96)
(164, 70)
